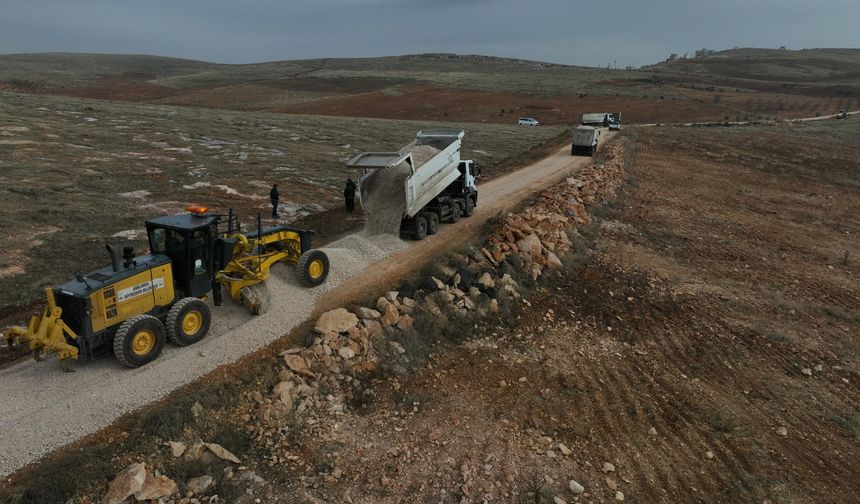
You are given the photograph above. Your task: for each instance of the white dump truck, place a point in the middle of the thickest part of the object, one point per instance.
(584, 140)
(437, 186)
(610, 119)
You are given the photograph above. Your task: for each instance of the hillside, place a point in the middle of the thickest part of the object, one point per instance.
(808, 66)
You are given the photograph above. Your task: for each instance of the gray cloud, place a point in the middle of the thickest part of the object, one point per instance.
(562, 31)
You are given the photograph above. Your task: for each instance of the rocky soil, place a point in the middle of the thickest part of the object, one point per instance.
(354, 355)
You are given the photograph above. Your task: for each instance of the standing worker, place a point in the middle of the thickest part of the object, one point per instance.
(349, 195)
(274, 196)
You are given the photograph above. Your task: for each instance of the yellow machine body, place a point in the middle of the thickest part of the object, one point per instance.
(81, 315)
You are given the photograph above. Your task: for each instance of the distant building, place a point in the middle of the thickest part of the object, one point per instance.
(701, 53)
(672, 57)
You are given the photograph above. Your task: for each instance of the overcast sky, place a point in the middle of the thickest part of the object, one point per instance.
(597, 32)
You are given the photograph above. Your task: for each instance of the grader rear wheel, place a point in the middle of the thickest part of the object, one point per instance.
(138, 341)
(188, 321)
(312, 268)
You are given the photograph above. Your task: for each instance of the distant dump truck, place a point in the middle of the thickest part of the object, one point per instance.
(422, 184)
(584, 140)
(612, 120)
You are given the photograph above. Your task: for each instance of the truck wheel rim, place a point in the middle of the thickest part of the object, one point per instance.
(191, 322)
(315, 269)
(143, 342)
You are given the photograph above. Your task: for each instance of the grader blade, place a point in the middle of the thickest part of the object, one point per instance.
(256, 298)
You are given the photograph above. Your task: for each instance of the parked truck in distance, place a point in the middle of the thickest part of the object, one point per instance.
(612, 120)
(437, 189)
(584, 140)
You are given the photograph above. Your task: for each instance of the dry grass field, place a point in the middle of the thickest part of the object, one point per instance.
(77, 172)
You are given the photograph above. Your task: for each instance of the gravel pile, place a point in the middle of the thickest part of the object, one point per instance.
(422, 153)
(42, 408)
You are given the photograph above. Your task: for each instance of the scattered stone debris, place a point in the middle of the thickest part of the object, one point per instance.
(321, 381)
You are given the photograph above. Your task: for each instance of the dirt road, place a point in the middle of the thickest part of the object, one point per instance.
(44, 409)
(496, 196)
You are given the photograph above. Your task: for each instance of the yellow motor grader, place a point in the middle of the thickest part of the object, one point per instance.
(132, 305)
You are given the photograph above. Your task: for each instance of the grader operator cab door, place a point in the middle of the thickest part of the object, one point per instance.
(188, 241)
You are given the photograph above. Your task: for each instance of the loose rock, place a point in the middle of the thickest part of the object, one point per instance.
(126, 483)
(335, 321)
(156, 487)
(222, 453)
(176, 448)
(199, 485)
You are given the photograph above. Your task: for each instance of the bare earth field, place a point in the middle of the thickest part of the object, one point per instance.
(701, 344)
(707, 348)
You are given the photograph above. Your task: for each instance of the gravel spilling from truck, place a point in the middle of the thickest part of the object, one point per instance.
(383, 199)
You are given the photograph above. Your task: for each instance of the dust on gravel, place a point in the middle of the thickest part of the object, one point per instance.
(44, 409)
(383, 193)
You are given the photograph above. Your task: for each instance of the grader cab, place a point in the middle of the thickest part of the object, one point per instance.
(137, 302)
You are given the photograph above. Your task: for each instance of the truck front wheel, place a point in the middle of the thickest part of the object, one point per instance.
(419, 228)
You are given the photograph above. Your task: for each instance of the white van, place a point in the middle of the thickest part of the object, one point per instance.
(528, 121)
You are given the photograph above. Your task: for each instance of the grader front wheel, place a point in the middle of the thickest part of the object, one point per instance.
(312, 268)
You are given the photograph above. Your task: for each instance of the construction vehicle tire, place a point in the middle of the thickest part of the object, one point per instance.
(419, 228)
(188, 321)
(256, 298)
(455, 213)
(470, 207)
(312, 268)
(138, 341)
(432, 222)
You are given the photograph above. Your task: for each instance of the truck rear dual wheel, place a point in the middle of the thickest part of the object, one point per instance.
(138, 341)
(455, 213)
(312, 268)
(432, 219)
(419, 228)
(188, 321)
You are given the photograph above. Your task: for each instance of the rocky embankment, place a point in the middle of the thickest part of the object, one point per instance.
(350, 347)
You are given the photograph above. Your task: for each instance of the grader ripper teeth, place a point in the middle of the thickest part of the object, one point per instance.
(137, 303)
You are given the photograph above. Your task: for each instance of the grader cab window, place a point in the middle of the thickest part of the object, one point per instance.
(199, 252)
(168, 242)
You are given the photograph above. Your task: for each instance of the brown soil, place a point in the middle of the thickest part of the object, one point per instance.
(426, 102)
(122, 87)
(677, 352)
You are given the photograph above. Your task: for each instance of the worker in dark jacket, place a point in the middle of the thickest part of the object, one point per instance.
(349, 195)
(274, 195)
